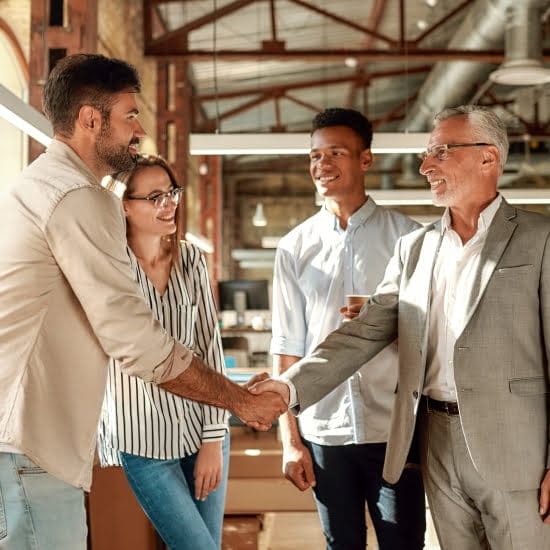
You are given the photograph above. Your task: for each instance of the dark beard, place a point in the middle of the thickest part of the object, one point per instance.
(116, 157)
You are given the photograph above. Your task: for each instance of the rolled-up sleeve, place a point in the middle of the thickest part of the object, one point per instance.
(87, 235)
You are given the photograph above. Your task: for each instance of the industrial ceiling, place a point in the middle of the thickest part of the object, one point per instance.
(269, 65)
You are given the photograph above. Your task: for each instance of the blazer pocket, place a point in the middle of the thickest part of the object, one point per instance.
(528, 386)
(515, 269)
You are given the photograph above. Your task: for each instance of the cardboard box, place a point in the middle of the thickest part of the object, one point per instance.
(241, 532)
(256, 481)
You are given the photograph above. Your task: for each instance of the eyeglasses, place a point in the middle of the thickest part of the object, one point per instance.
(441, 152)
(160, 200)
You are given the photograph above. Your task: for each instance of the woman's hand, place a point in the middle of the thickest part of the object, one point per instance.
(208, 469)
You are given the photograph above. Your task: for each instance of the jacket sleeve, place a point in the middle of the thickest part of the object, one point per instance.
(87, 235)
(545, 318)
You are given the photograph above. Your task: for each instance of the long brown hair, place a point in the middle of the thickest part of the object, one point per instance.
(125, 180)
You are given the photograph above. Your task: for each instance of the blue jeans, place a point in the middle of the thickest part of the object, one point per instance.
(349, 475)
(37, 510)
(165, 490)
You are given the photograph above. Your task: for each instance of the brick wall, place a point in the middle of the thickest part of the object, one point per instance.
(17, 15)
(121, 35)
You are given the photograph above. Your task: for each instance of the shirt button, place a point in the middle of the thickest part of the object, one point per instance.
(415, 394)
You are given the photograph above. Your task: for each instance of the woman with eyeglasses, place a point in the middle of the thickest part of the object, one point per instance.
(174, 452)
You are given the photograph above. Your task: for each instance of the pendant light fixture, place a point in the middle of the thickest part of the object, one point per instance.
(259, 219)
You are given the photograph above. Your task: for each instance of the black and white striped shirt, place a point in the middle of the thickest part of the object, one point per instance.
(139, 417)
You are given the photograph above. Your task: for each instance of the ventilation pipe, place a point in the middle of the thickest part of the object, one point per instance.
(523, 46)
(451, 83)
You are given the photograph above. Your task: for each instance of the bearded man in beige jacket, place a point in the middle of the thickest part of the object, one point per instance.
(68, 300)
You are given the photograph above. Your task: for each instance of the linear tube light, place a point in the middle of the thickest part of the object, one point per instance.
(25, 117)
(295, 144)
(413, 197)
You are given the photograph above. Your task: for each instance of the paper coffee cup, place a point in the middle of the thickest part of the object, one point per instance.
(354, 299)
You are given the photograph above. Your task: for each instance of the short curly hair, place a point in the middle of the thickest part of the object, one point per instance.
(337, 116)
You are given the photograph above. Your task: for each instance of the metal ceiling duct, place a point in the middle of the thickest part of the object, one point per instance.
(452, 83)
(523, 46)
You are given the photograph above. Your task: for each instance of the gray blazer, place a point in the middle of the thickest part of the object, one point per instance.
(500, 359)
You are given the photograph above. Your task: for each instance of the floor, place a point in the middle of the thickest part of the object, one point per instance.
(302, 531)
(289, 530)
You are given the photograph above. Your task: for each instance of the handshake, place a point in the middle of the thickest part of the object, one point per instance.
(263, 400)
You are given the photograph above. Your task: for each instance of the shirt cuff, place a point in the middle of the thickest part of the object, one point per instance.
(214, 432)
(293, 397)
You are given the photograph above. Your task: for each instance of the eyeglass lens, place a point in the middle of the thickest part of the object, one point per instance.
(439, 152)
(162, 200)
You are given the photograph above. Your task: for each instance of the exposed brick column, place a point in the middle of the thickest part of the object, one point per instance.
(174, 120)
(210, 208)
(53, 36)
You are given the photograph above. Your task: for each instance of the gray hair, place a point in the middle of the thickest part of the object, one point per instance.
(487, 125)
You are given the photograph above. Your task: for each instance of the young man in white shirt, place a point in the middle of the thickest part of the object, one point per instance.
(337, 446)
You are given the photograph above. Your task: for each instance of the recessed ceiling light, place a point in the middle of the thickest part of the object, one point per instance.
(431, 3)
(351, 62)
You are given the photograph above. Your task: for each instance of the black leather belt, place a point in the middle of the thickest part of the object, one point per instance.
(449, 407)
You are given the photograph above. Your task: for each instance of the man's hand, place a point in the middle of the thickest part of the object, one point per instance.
(255, 379)
(271, 385)
(200, 383)
(350, 312)
(544, 499)
(298, 466)
(259, 411)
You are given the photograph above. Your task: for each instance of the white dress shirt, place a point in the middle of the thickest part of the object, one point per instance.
(452, 281)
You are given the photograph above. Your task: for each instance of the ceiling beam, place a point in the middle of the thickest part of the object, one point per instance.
(401, 55)
(348, 23)
(281, 89)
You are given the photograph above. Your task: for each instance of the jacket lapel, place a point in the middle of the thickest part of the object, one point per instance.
(425, 267)
(498, 236)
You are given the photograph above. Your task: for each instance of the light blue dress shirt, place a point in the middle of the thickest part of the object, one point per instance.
(317, 264)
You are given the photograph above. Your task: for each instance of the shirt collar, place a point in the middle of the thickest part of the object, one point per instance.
(61, 149)
(484, 220)
(359, 217)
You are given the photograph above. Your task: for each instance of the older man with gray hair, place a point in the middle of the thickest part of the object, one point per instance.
(469, 298)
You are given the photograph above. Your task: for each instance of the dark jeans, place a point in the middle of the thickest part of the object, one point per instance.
(349, 475)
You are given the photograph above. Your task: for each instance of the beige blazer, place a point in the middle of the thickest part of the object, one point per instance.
(500, 359)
